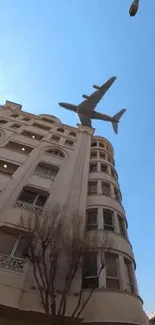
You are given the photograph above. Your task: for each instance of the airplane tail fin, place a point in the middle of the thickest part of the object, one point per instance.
(117, 118)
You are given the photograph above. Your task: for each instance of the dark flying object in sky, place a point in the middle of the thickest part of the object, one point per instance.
(86, 109)
(134, 8)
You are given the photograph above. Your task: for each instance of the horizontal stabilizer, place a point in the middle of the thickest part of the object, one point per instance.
(117, 118)
(96, 87)
(85, 96)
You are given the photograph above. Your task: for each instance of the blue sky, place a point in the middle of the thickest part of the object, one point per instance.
(55, 50)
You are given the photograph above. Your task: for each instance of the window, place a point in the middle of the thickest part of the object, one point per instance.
(21, 148)
(128, 272)
(94, 144)
(90, 278)
(13, 244)
(41, 126)
(7, 168)
(60, 130)
(3, 121)
(102, 155)
(113, 173)
(55, 152)
(105, 188)
(93, 168)
(109, 159)
(73, 134)
(15, 126)
(101, 145)
(69, 143)
(55, 138)
(92, 219)
(46, 171)
(108, 220)
(93, 154)
(32, 135)
(109, 149)
(112, 277)
(26, 119)
(122, 226)
(104, 168)
(14, 115)
(92, 187)
(117, 194)
(30, 196)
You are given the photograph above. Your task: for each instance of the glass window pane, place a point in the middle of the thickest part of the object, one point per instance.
(121, 226)
(108, 217)
(27, 196)
(53, 171)
(7, 242)
(92, 216)
(93, 168)
(105, 188)
(41, 200)
(112, 283)
(111, 265)
(42, 169)
(22, 247)
(90, 264)
(89, 283)
(92, 187)
(102, 155)
(103, 168)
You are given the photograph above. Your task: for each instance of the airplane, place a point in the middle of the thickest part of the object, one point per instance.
(85, 110)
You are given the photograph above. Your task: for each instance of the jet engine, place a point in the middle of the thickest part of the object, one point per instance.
(96, 87)
(85, 96)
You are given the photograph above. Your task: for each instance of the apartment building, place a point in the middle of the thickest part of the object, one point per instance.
(44, 161)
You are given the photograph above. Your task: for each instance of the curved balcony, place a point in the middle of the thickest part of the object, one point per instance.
(104, 200)
(114, 307)
(112, 241)
(104, 177)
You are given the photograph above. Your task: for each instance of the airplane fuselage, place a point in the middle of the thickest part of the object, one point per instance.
(86, 109)
(83, 110)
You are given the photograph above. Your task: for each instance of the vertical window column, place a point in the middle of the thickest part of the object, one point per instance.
(122, 273)
(116, 223)
(136, 291)
(102, 278)
(98, 167)
(100, 219)
(109, 170)
(106, 156)
(99, 187)
(112, 191)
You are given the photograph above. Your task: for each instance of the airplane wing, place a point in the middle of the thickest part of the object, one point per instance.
(91, 102)
(85, 120)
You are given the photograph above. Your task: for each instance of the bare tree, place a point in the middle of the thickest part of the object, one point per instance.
(57, 249)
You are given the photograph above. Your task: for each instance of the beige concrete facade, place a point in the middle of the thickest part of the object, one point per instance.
(152, 318)
(86, 180)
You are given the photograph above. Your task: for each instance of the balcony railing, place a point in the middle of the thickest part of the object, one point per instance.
(12, 263)
(27, 206)
(44, 175)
